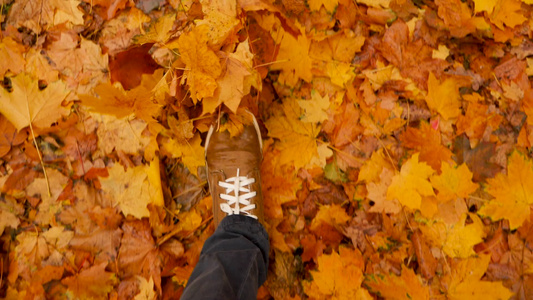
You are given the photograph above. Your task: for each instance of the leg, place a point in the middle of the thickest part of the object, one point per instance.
(233, 263)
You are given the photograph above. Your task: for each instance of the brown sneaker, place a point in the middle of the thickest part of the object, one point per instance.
(233, 172)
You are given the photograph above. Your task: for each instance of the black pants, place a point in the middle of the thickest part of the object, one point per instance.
(233, 263)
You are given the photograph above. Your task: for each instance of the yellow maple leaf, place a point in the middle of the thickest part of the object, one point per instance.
(329, 5)
(339, 276)
(406, 286)
(293, 60)
(191, 152)
(411, 183)
(333, 215)
(26, 103)
(297, 140)
(456, 239)
(221, 18)
(453, 182)
(42, 15)
(315, 109)
(507, 12)
(377, 192)
(484, 5)
(121, 135)
(158, 32)
(513, 192)
(146, 289)
(114, 100)
(11, 56)
(132, 190)
(203, 65)
(375, 3)
(372, 168)
(443, 97)
(236, 82)
(465, 281)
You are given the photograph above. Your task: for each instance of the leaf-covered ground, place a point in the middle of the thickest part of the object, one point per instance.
(397, 144)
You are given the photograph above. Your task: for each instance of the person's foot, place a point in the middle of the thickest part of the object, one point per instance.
(233, 172)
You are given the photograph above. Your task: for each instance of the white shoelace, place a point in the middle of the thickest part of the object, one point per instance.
(237, 185)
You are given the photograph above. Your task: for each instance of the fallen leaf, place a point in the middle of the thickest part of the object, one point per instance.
(26, 103)
(406, 286)
(466, 281)
(203, 66)
(453, 182)
(411, 183)
(297, 140)
(132, 189)
(338, 276)
(315, 108)
(11, 57)
(94, 282)
(443, 97)
(513, 193)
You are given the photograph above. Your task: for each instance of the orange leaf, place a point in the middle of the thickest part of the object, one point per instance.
(406, 286)
(93, 282)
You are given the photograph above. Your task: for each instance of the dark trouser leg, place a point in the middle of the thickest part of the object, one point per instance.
(233, 263)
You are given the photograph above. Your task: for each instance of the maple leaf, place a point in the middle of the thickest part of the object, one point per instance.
(191, 152)
(110, 7)
(203, 66)
(328, 5)
(297, 139)
(38, 16)
(453, 182)
(221, 19)
(315, 109)
(37, 65)
(81, 62)
(146, 289)
(236, 82)
(41, 187)
(293, 59)
(11, 56)
(121, 135)
(465, 281)
(427, 141)
(138, 254)
(26, 103)
(132, 190)
(411, 183)
(8, 219)
(9, 136)
(372, 169)
(457, 17)
(339, 276)
(279, 183)
(513, 193)
(456, 239)
(94, 282)
(377, 192)
(507, 12)
(158, 32)
(333, 215)
(443, 97)
(115, 101)
(406, 286)
(484, 5)
(476, 120)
